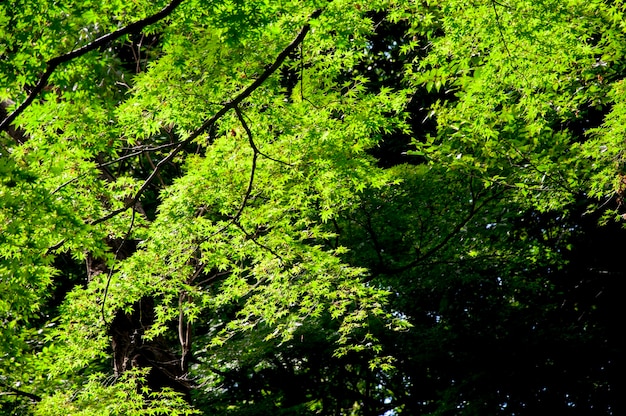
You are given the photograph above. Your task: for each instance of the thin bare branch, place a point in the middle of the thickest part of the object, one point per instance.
(255, 157)
(473, 210)
(17, 392)
(255, 241)
(144, 186)
(252, 143)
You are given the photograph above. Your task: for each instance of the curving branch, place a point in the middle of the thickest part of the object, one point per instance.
(259, 81)
(53, 63)
(208, 124)
(251, 141)
(15, 133)
(255, 156)
(17, 392)
(133, 201)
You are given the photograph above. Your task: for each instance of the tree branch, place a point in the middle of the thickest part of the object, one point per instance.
(207, 125)
(17, 392)
(16, 133)
(255, 156)
(259, 81)
(53, 63)
(144, 186)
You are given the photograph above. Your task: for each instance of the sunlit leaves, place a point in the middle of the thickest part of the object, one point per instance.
(102, 395)
(513, 74)
(276, 219)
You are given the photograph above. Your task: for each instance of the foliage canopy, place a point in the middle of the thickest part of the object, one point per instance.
(311, 207)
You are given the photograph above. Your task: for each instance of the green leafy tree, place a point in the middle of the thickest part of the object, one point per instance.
(309, 207)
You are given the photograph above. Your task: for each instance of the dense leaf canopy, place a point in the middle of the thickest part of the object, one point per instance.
(311, 207)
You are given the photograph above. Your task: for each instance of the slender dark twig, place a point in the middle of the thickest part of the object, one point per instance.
(255, 241)
(499, 25)
(255, 156)
(252, 143)
(473, 210)
(131, 202)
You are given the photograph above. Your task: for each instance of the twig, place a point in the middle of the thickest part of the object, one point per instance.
(253, 145)
(154, 167)
(255, 156)
(184, 332)
(473, 210)
(144, 186)
(254, 240)
(499, 25)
